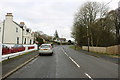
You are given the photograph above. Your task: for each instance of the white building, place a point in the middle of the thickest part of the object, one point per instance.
(14, 33)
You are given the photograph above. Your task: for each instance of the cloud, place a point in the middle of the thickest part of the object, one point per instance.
(45, 15)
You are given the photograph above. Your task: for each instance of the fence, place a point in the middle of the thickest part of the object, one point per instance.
(110, 50)
(9, 51)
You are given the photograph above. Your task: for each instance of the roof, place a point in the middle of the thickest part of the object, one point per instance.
(62, 38)
(18, 24)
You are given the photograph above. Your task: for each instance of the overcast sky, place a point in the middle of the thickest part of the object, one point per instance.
(46, 15)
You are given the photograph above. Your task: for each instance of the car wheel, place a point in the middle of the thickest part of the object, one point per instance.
(51, 54)
(40, 54)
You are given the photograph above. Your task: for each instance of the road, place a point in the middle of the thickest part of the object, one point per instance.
(68, 63)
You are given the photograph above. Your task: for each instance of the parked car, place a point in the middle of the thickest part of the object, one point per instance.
(45, 49)
(5, 50)
(17, 48)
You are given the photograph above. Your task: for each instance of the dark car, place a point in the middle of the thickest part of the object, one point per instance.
(17, 48)
(5, 50)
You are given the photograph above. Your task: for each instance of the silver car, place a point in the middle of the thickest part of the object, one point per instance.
(45, 49)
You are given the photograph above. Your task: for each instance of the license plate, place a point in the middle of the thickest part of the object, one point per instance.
(45, 49)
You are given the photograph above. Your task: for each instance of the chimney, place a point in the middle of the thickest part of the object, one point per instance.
(22, 23)
(119, 4)
(9, 16)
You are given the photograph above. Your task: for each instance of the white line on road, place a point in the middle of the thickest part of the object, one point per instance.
(71, 59)
(64, 52)
(88, 76)
(75, 62)
(33, 61)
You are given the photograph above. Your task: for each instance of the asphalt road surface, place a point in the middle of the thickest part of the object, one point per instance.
(68, 63)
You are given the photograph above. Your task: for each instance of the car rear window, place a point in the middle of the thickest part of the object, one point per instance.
(45, 46)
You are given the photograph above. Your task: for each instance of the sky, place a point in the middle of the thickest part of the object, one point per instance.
(46, 15)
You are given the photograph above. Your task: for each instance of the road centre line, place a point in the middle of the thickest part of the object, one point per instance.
(71, 59)
(75, 62)
(65, 52)
(88, 76)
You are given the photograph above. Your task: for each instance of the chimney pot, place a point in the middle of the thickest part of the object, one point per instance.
(9, 14)
(22, 23)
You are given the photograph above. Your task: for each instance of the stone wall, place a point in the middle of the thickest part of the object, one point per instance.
(110, 50)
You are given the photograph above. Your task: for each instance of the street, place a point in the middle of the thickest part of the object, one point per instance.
(67, 63)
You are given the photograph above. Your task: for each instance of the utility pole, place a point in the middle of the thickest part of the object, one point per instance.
(118, 20)
(88, 37)
(75, 38)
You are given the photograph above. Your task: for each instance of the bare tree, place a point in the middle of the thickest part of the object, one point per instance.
(86, 18)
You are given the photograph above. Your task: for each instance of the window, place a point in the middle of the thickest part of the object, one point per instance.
(16, 29)
(30, 41)
(17, 40)
(25, 41)
(0, 29)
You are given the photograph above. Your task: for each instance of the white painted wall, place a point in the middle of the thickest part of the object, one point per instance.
(0, 51)
(119, 4)
(10, 34)
(4, 57)
(1, 31)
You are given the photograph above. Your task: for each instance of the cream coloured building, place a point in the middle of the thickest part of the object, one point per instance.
(14, 33)
(1, 31)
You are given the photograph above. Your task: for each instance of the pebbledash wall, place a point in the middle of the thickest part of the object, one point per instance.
(110, 50)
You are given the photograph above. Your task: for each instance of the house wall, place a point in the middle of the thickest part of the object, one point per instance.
(10, 34)
(28, 36)
(1, 31)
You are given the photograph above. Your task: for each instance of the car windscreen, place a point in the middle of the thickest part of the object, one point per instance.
(45, 46)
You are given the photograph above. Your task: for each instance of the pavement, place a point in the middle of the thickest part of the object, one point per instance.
(12, 63)
(68, 63)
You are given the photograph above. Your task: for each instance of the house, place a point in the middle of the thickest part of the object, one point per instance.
(62, 40)
(14, 33)
(27, 34)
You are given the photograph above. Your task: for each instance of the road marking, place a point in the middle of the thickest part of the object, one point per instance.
(71, 59)
(33, 61)
(65, 52)
(75, 62)
(88, 76)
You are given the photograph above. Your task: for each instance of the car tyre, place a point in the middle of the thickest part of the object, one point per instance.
(40, 54)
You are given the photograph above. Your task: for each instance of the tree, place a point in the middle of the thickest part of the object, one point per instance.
(90, 22)
(56, 35)
(114, 21)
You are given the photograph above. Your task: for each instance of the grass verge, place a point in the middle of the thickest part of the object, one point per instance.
(96, 53)
(75, 47)
(27, 53)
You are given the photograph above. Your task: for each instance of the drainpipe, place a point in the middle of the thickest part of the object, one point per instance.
(3, 31)
(22, 35)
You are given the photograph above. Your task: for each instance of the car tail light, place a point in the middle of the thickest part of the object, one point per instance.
(50, 47)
